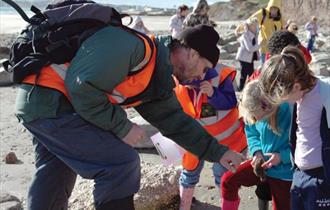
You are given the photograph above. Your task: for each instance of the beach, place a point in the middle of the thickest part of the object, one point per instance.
(16, 178)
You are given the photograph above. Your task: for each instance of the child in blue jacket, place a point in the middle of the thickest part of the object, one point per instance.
(286, 77)
(267, 131)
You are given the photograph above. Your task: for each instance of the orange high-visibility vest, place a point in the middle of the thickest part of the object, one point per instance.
(53, 76)
(225, 126)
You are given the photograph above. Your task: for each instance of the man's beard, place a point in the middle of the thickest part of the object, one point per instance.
(179, 74)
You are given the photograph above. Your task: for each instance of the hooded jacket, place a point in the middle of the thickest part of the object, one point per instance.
(268, 26)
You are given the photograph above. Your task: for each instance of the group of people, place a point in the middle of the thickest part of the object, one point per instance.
(177, 84)
(256, 32)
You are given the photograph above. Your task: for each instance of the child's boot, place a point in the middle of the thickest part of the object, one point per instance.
(263, 204)
(186, 196)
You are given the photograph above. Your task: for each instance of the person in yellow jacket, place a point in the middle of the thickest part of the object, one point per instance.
(212, 102)
(270, 20)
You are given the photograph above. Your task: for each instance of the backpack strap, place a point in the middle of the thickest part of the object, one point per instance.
(18, 9)
(264, 13)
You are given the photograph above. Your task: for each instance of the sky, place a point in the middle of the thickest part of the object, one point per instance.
(152, 3)
(156, 3)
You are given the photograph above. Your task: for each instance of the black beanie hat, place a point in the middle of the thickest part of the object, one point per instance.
(203, 39)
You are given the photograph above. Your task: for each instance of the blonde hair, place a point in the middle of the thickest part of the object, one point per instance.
(293, 27)
(281, 72)
(245, 26)
(253, 101)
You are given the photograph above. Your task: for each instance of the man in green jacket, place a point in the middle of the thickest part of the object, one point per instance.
(90, 136)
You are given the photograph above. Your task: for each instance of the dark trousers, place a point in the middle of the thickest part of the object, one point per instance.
(310, 45)
(244, 176)
(309, 190)
(246, 70)
(68, 145)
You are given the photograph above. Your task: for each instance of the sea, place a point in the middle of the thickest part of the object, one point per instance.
(11, 21)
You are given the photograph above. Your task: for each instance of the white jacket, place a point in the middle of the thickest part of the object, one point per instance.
(246, 49)
(312, 29)
(176, 24)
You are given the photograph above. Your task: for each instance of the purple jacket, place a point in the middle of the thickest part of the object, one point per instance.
(224, 96)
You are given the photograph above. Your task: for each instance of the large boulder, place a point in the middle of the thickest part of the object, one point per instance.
(232, 10)
(298, 10)
(302, 10)
(159, 188)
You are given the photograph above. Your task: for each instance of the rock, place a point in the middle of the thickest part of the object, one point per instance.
(5, 77)
(145, 143)
(232, 10)
(11, 158)
(232, 47)
(226, 39)
(320, 64)
(11, 205)
(233, 27)
(159, 188)
(9, 202)
(320, 43)
(4, 50)
(321, 57)
(305, 9)
(320, 69)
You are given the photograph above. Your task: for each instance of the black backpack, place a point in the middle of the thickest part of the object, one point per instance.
(55, 35)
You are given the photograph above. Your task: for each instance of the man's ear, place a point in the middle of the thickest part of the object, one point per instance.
(193, 54)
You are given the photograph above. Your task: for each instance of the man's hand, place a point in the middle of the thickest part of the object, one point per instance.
(207, 88)
(135, 135)
(231, 160)
(274, 160)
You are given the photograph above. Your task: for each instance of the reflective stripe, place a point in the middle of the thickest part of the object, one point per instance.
(118, 96)
(53, 76)
(60, 69)
(225, 126)
(215, 81)
(143, 62)
(228, 132)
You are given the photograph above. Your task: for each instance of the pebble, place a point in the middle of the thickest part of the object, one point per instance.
(11, 158)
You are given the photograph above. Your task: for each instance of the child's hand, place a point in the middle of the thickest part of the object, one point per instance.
(258, 155)
(207, 88)
(274, 160)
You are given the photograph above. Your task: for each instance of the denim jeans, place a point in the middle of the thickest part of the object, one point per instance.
(262, 58)
(309, 190)
(189, 179)
(68, 145)
(310, 44)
